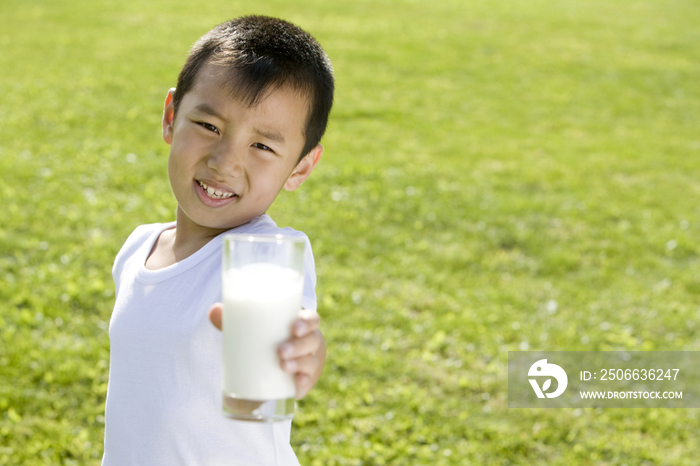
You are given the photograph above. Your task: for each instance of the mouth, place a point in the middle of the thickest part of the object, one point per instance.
(215, 193)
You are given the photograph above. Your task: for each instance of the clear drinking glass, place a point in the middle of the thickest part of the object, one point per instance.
(263, 280)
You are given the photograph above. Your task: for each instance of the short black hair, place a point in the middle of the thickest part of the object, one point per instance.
(260, 53)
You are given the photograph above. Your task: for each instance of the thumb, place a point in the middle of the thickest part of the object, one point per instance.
(215, 314)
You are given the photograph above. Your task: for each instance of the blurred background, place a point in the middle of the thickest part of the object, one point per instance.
(498, 176)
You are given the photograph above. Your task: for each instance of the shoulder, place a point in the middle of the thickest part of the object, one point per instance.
(264, 225)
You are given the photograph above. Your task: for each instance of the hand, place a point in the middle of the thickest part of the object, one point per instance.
(303, 355)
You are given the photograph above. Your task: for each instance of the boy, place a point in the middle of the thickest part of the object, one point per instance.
(245, 121)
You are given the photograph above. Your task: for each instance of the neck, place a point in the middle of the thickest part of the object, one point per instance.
(179, 243)
(190, 237)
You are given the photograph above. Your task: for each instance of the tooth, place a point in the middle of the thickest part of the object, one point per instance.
(215, 193)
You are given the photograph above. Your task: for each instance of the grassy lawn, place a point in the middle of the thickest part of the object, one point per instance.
(498, 175)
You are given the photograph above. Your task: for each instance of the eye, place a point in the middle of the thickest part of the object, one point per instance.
(257, 145)
(209, 127)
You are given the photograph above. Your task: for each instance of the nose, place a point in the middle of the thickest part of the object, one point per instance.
(226, 160)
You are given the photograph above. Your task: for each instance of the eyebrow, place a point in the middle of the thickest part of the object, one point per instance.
(271, 135)
(209, 110)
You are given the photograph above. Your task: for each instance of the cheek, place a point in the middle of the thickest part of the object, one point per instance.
(178, 158)
(264, 189)
(176, 170)
(172, 166)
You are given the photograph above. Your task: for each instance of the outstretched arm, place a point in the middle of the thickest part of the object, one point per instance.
(303, 355)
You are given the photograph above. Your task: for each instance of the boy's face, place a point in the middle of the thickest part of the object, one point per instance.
(229, 161)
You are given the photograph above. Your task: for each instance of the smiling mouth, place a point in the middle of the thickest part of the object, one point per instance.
(215, 193)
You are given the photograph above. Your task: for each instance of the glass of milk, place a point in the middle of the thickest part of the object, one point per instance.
(263, 280)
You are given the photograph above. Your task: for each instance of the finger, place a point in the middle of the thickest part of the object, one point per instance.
(296, 347)
(303, 384)
(307, 323)
(304, 365)
(215, 312)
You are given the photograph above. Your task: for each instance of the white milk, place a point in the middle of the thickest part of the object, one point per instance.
(261, 301)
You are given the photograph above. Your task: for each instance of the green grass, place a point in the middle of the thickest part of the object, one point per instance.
(498, 175)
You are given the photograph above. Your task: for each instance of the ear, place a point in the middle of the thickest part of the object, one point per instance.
(168, 117)
(304, 168)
